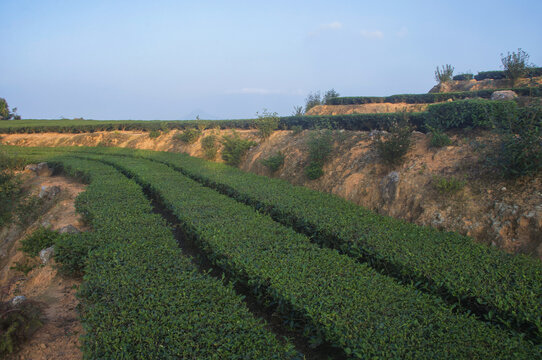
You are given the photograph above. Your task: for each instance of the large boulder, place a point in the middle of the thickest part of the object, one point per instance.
(504, 95)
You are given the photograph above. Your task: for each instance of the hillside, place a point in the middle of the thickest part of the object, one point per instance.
(506, 214)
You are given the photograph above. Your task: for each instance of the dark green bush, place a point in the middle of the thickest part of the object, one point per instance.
(394, 145)
(10, 193)
(153, 134)
(499, 75)
(314, 171)
(274, 162)
(209, 146)
(40, 239)
(266, 123)
(234, 148)
(189, 136)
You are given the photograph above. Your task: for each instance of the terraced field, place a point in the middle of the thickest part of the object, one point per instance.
(337, 275)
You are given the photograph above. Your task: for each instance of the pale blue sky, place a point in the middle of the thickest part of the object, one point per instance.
(229, 59)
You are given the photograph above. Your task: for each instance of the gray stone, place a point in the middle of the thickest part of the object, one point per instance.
(69, 229)
(388, 186)
(47, 254)
(17, 300)
(49, 192)
(42, 169)
(504, 95)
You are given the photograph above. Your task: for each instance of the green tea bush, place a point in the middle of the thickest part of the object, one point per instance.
(189, 136)
(476, 113)
(449, 185)
(394, 145)
(320, 146)
(40, 239)
(463, 77)
(266, 123)
(274, 162)
(519, 151)
(209, 146)
(234, 148)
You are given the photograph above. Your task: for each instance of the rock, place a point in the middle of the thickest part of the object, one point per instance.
(17, 300)
(47, 254)
(69, 229)
(43, 169)
(504, 95)
(49, 192)
(31, 167)
(388, 187)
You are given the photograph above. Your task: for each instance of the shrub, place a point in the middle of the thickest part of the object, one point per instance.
(444, 74)
(438, 138)
(393, 146)
(17, 324)
(209, 146)
(314, 171)
(189, 136)
(154, 134)
(519, 151)
(40, 239)
(320, 146)
(464, 77)
(274, 162)
(515, 65)
(448, 185)
(234, 148)
(266, 123)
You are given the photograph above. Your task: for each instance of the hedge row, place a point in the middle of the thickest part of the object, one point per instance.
(431, 97)
(505, 285)
(463, 77)
(499, 75)
(349, 304)
(141, 298)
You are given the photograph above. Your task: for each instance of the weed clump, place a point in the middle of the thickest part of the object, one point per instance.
(266, 123)
(448, 185)
(40, 239)
(17, 323)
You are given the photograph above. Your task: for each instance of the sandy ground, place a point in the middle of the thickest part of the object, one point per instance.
(58, 338)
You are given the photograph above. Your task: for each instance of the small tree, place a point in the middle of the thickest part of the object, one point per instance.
(515, 65)
(266, 123)
(298, 111)
(4, 110)
(312, 100)
(444, 74)
(329, 95)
